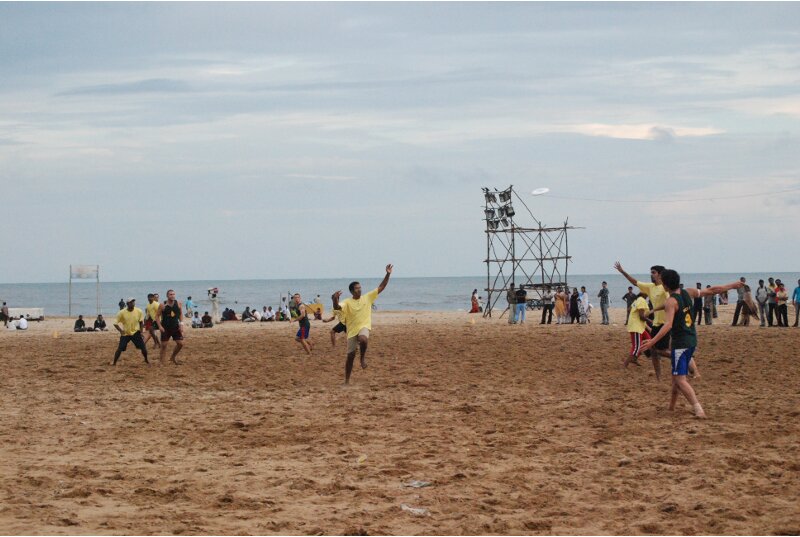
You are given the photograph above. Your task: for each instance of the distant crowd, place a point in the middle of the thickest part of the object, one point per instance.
(768, 304)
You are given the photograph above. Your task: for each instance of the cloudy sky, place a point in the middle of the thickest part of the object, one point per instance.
(279, 140)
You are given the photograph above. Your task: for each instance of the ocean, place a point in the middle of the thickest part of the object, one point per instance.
(402, 294)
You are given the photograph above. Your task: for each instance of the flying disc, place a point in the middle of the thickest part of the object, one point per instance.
(540, 191)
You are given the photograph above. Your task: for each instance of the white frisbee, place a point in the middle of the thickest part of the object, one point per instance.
(540, 191)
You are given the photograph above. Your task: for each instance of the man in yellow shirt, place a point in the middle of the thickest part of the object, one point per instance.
(357, 316)
(658, 296)
(637, 328)
(150, 323)
(129, 325)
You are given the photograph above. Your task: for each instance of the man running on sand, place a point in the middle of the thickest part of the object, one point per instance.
(357, 316)
(150, 322)
(170, 322)
(340, 327)
(300, 314)
(679, 325)
(129, 323)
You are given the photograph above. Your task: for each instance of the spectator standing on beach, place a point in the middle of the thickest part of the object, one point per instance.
(697, 310)
(214, 308)
(189, 307)
(129, 324)
(80, 325)
(583, 305)
(708, 306)
(796, 303)
(357, 316)
(772, 303)
(739, 302)
(781, 298)
(474, 306)
(629, 298)
(4, 315)
(121, 304)
(511, 298)
(561, 307)
(683, 334)
(547, 305)
(574, 311)
(603, 295)
(521, 298)
(100, 324)
(170, 323)
(762, 296)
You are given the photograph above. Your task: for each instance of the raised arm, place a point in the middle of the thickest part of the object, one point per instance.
(335, 298)
(714, 290)
(385, 281)
(628, 277)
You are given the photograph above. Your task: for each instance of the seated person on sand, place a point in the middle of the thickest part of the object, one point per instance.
(80, 324)
(268, 315)
(247, 317)
(206, 321)
(197, 322)
(22, 323)
(256, 314)
(100, 324)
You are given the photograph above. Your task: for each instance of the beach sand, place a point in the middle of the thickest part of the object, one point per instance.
(520, 429)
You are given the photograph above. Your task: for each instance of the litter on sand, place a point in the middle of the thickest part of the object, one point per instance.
(417, 484)
(418, 511)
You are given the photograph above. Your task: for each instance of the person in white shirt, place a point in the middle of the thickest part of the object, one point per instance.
(256, 315)
(268, 314)
(22, 324)
(197, 322)
(285, 312)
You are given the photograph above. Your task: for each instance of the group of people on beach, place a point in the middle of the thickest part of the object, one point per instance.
(164, 321)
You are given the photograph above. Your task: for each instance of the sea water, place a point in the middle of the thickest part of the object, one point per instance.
(402, 294)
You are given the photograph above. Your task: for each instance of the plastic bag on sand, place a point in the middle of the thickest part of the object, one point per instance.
(418, 511)
(417, 484)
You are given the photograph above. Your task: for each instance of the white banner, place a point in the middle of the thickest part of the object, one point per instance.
(83, 272)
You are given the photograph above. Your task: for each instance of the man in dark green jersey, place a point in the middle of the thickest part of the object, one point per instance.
(679, 325)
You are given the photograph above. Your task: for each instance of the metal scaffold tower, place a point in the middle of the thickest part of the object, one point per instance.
(532, 258)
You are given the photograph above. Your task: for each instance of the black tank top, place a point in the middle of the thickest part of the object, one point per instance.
(171, 315)
(304, 322)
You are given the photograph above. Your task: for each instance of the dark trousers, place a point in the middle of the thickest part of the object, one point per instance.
(771, 315)
(547, 310)
(698, 314)
(783, 315)
(739, 306)
(707, 313)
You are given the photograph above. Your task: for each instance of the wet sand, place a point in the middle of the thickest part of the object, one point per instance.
(519, 429)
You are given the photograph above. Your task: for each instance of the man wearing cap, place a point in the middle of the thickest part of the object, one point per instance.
(129, 324)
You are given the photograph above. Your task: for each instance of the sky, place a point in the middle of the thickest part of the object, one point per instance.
(180, 141)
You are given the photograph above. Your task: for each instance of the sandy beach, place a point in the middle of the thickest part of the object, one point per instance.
(518, 429)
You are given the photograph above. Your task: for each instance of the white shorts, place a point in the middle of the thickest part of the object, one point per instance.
(352, 342)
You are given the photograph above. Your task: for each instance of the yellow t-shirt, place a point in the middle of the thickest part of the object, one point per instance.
(337, 314)
(635, 324)
(357, 314)
(658, 298)
(129, 320)
(152, 310)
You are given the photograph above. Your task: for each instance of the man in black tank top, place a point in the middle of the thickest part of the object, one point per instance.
(679, 325)
(170, 323)
(300, 314)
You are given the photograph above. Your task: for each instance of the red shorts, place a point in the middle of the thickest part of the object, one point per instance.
(636, 342)
(149, 324)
